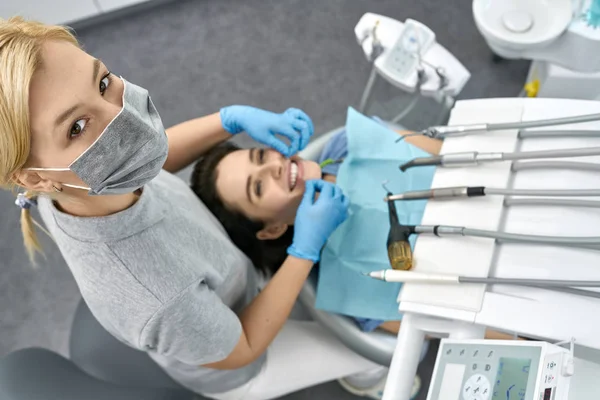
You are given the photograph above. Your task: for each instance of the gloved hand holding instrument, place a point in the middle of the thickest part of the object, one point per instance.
(317, 219)
(264, 126)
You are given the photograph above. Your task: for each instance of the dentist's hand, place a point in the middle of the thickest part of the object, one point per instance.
(263, 126)
(316, 220)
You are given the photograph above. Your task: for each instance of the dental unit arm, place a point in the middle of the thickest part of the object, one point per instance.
(407, 56)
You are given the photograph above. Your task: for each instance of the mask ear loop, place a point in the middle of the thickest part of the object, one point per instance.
(75, 187)
(56, 189)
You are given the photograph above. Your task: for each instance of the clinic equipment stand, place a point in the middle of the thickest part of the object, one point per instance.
(412, 333)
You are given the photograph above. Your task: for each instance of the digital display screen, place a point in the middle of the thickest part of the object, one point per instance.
(511, 379)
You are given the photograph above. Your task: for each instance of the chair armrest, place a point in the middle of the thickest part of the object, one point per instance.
(375, 346)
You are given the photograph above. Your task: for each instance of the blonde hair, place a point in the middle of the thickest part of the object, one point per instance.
(20, 56)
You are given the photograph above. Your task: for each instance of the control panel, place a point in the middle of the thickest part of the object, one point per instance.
(499, 370)
(414, 41)
(395, 47)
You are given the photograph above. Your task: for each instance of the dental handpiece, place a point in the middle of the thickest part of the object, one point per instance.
(439, 230)
(398, 246)
(461, 130)
(475, 191)
(458, 191)
(474, 157)
(566, 286)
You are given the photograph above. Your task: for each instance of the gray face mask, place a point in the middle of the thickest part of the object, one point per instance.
(128, 154)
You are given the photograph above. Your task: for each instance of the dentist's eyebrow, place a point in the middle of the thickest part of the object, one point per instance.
(96, 71)
(65, 115)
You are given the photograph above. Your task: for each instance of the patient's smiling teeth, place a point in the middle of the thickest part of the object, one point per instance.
(293, 174)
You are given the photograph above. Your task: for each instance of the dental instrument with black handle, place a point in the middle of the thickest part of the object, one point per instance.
(478, 191)
(474, 157)
(440, 230)
(568, 286)
(398, 247)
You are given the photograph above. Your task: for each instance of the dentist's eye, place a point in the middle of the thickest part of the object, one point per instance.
(77, 128)
(104, 83)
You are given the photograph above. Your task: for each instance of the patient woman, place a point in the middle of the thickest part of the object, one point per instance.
(255, 194)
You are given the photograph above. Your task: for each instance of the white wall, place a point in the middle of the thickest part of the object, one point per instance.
(61, 11)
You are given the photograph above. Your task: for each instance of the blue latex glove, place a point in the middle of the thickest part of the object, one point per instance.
(263, 126)
(316, 220)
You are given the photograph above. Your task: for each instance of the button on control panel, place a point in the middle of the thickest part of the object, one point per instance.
(476, 387)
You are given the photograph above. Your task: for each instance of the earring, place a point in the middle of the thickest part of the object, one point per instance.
(58, 190)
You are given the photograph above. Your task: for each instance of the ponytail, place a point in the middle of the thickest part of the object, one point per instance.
(30, 238)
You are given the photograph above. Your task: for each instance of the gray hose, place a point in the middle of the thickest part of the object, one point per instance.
(565, 245)
(543, 192)
(583, 166)
(538, 282)
(530, 238)
(413, 101)
(551, 202)
(566, 133)
(408, 108)
(546, 122)
(581, 152)
(570, 290)
(510, 237)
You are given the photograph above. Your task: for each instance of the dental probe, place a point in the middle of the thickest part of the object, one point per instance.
(461, 130)
(476, 191)
(475, 157)
(568, 286)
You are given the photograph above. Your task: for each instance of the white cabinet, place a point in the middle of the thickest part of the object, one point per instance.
(49, 11)
(111, 5)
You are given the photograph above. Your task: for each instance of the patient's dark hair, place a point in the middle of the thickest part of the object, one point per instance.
(266, 255)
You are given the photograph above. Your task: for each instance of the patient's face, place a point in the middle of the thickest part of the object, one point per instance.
(264, 185)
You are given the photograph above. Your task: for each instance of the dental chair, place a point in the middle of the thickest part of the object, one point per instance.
(375, 346)
(102, 368)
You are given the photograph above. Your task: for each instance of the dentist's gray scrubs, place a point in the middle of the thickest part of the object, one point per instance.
(163, 277)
